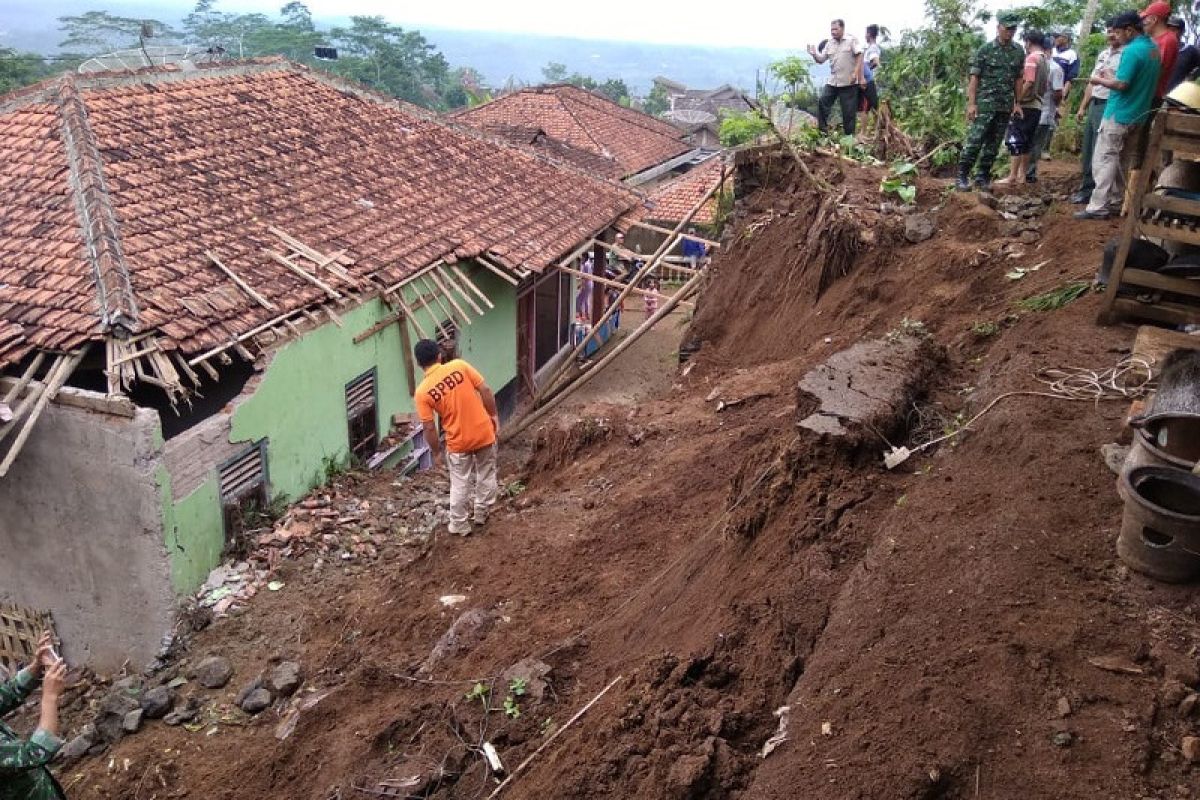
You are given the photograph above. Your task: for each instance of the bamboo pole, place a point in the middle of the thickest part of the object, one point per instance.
(490, 266)
(313, 279)
(663, 249)
(20, 385)
(660, 229)
(615, 284)
(625, 344)
(410, 316)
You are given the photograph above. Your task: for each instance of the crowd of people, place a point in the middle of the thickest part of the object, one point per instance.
(1018, 92)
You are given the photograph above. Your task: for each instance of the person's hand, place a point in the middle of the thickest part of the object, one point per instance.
(812, 50)
(1018, 112)
(972, 112)
(44, 657)
(439, 461)
(54, 682)
(1080, 114)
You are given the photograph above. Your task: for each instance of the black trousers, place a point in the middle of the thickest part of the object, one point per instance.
(847, 97)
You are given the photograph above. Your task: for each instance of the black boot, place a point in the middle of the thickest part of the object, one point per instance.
(963, 184)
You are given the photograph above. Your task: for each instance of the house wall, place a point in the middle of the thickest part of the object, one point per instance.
(81, 529)
(298, 405)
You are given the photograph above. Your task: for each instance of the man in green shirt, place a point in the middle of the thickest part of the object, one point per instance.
(995, 74)
(1128, 108)
(23, 762)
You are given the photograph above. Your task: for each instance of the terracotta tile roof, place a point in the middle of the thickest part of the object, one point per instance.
(114, 187)
(541, 141)
(584, 120)
(672, 201)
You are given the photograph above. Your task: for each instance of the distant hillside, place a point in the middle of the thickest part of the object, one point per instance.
(497, 56)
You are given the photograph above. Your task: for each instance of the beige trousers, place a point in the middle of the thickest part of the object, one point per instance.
(1112, 156)
(472, 486)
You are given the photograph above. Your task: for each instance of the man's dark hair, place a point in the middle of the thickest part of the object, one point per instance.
(873, 31)
(1034, 36)
(1126, 19)
(839, 22)
(426, 352)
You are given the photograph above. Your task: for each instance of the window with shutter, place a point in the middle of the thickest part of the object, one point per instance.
(362, 416)
(242, 484)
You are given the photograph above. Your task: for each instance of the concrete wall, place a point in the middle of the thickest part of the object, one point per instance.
(81, 532)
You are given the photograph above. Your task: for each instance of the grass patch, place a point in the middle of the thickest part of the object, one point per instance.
(1056, 299)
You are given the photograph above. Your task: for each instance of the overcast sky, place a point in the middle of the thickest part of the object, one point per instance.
(778, 24)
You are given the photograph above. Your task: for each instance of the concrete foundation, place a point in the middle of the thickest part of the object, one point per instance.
(81, 531)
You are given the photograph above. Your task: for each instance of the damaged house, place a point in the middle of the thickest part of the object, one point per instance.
(210, 281)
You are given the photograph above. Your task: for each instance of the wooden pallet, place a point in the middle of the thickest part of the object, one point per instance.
(19, 632)
(1157, 216)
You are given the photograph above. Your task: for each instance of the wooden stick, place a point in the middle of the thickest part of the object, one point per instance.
(241, 284)
(406, 355)
(615, 284)
(386, 322)
(134, 356)
(313, 279)
(449, 278)
(187, 370)
(661, 229)
(663, 249)
(489, 265)
(433, 275)
(408, 313)
(624, 345)
(445, 308)
(333, 316)
(26, 377)
(54, 382)
(465, 279)
(578, 714)
(579, 251)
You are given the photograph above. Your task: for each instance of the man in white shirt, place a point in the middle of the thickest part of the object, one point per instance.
(1091, 112)
(846, 81)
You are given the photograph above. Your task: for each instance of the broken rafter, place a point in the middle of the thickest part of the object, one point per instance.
(661, 229)
(450, 280)
(62, 370)
(313, 279)
(317, 257)
(433, 275)
(26, 377)
(616, 284)
(241, 284)
(471, 284)
(436, 296)
(409, 315)
(498, 270)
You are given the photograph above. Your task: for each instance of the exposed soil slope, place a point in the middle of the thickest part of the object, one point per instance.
(924, 626)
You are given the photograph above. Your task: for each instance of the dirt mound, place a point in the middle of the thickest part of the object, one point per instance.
(932, 631)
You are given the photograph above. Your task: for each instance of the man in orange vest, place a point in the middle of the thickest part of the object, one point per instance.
(456, 393)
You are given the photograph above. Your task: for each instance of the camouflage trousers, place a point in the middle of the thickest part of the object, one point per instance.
(984, 138)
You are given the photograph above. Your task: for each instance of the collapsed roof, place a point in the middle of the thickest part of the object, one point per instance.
(117, 188)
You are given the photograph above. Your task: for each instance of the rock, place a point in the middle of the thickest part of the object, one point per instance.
(81, 744)
(1187, 706)
(466, 632)
(1191, 749)
(214, 672)
(157, 702)
(181, 715)
(110, 723)
(919, 227)
(532, 673)
(1029, 237)
(1063, 707)
(1114, 456)
(256, 701)
(133, 721)
(286, 678)
(131, 686)
(1063, 739)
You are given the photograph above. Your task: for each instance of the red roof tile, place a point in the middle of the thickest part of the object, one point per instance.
(671, 201)
(586, 121)
(160, 167)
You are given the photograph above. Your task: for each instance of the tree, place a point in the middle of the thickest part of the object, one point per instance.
(554, 72)
(20, 69)
(396, 61)
(616, 90)
(239, 35)
(741, 128)
(97, 32)
(657, 102)
(795, 74)
(924, 77)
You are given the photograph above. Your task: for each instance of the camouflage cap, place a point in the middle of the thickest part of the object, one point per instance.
(1009, 19)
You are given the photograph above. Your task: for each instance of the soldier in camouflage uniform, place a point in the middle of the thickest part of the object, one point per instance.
(23, 772)
(991, 93)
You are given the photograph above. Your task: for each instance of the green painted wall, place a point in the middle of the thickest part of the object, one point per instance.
(299, 406)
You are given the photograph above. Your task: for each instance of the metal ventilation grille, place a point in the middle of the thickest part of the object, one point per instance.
(360, 395)
(243, 475)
